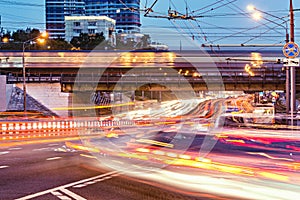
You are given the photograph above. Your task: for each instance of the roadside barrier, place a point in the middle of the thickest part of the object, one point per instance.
(12, 130)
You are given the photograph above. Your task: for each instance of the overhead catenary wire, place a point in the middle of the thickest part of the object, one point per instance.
(215, 8)
(18, 3)
(207, 6)
(270, 28)
(235, 32)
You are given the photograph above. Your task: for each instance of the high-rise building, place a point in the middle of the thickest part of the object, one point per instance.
(56, 10)
(125, 12)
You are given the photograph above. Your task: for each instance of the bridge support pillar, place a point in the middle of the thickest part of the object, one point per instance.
(159, 96)
(143, 94)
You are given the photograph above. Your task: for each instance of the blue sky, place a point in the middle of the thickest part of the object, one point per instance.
(229, 24)
(219, 24)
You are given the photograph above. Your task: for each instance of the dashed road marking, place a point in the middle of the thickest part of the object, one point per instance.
(79, 186)
(72, 194)
(94, 181)
(63, 188)
(54, 158)
(42, 149)
(4, 152)
(15, 148)
(87, 156)
(50, 145)
(60, 195)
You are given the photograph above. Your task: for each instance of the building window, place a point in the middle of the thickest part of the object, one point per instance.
(92, 31)
(76, 24)
(77, 30)
(92, 23)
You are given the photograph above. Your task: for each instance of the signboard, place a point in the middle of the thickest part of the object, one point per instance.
(290, 50)
(288, 62)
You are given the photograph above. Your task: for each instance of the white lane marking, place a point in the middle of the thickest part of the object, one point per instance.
(60, 195)
(79, 186)
(90, 183)
(4, 152)
(65, 186)
(54, 158)
(72, 194)
(107, 177)
(64, 197)
(88, 156)
(41, 149)
(15, 148)
(95, 181)
(50, 145)
(4, 166)
(55, 193)
(114, 175)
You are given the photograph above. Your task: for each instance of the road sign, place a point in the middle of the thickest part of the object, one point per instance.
(290, 50)
(288, 62)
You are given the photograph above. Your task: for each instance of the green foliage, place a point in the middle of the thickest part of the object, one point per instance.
(89, 42)
(17, 38)
(84, 41)
(56, 44)
(130, 44)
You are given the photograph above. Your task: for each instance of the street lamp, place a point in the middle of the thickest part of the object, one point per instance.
(40, 39)
(290, 78)
(257, 16)
(288, 86)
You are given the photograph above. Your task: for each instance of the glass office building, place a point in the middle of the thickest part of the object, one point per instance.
(56, 10)
(125, 12)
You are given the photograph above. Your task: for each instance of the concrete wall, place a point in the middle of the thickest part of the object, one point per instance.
(2, 93)
(50, 95)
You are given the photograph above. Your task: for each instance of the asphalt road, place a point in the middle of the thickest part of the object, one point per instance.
(51, 171)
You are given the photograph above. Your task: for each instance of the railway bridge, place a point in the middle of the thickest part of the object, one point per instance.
(150, 71)
(53, 77)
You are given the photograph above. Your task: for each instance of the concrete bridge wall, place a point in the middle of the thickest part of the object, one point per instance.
(50, 95)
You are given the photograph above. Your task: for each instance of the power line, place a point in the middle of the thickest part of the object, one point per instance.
(17, 3)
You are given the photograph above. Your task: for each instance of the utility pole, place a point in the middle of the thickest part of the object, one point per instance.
(290, 86)
(293, 74)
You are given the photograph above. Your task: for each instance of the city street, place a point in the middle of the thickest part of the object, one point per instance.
(149, 100)
(52, 171)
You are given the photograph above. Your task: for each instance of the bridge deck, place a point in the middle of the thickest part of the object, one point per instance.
(110, 68)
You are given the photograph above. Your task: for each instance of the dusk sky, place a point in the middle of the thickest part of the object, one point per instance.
(225, 22)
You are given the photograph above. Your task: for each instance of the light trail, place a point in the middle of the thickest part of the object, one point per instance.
(94, 107)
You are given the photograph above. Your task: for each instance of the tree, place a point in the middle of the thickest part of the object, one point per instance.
(130, 43)
(88, 42)
(18, 37)
(24, 35)
(145, 41)
(56, 44)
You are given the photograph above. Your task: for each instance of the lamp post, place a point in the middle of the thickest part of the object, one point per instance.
(290, 71)
(40, 39)
(257, 16)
